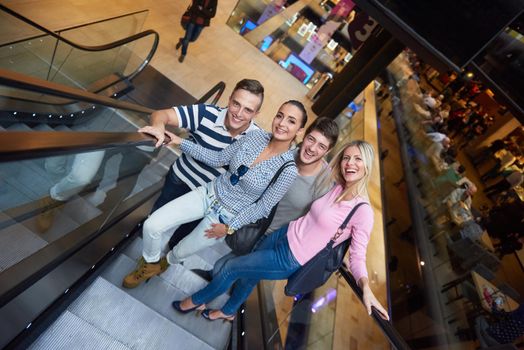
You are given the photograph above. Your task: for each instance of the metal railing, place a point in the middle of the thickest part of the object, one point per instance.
(387, 328)
(21, 81)
(95, 48)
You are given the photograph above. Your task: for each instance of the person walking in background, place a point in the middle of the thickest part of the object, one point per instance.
(197, 16)
(283, 252)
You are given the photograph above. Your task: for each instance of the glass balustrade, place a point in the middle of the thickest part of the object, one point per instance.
(441, 255)
(35, 53)
(43, 200)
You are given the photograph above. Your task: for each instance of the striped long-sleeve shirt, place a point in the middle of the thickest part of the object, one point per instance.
(207, 126)
(241, 199)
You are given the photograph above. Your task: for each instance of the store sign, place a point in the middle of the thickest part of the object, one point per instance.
(325, 32)
(318, 40)
(312, 49)
(302, 30)
(332, 44)
(360, 29)
(343, 8)
(275, 7)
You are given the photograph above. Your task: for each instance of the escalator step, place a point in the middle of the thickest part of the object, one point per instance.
(71, 332)
(129, 321)
(16, 243)
(18, 127)
(43, 127)
(174, 284)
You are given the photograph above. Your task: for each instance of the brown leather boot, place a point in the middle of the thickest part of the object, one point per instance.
(49, 208)
(144, 271)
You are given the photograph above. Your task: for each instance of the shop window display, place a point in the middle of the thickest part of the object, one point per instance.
(308, 43)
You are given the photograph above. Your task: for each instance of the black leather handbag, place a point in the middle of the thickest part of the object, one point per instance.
(245, 238)
(316, 271)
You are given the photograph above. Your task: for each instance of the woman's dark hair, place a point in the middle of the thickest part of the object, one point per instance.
(327, 127)
(300, 106)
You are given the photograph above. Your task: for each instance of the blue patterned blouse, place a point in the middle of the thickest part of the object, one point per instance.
(241, 199)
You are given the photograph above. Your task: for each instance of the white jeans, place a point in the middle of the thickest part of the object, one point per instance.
(199, 203)
(82, 172)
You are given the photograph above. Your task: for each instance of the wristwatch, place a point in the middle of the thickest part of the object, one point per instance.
(229, 230)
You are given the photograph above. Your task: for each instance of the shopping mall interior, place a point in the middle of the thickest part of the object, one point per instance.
(435, 90)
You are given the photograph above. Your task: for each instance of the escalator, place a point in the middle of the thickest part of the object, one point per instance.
(62, 262)
(40, 262)
(61, 288)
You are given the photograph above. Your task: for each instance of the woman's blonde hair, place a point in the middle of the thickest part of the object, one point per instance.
(361, 187)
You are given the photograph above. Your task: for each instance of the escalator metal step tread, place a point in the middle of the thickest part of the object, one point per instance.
(71, 332)
(174, 284)
(129, 321)
(16, 243)
(18, 127)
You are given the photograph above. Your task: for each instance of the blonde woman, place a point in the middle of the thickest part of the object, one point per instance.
(286, 250)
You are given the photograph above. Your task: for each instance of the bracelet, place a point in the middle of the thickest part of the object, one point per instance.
(229, 230)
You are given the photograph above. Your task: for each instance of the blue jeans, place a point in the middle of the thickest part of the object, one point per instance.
(193, 30)
(174, 188)
(273, 260)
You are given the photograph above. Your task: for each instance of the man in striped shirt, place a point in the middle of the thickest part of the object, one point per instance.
(210, 126)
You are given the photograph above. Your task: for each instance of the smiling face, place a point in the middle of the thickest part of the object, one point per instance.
(243, 106)
(313, 148)
(352, 166)
(287, 123)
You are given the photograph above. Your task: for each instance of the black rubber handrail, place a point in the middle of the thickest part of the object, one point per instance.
(22, 81)
(95, 48)
(73, 27)
(218, 89)
(387, 328)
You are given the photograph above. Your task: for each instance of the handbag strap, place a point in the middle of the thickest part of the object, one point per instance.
(341, 228)
(276, 176)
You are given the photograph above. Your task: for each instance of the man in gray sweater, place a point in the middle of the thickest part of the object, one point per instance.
(321, 136)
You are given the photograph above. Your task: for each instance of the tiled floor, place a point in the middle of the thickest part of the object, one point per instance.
(218, 55)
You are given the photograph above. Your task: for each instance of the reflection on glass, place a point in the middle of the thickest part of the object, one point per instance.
(45, 199)
(437, 238)
(331, 317)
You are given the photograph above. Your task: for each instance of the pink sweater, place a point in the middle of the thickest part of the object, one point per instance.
(310, 233)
